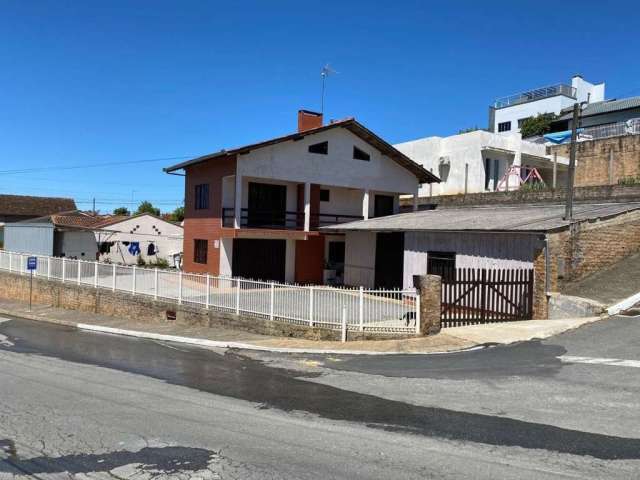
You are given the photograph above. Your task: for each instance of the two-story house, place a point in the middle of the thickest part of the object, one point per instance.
(254, 211)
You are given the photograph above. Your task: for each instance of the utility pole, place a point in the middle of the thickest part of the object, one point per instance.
(94, 206)
(568, 212)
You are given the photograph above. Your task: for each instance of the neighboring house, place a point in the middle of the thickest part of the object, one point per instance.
(65, 234)
(507, 114)
(14, 208)
(122, 239)
(478, 161)
(255, 211)
(387, 252)
(601, 114)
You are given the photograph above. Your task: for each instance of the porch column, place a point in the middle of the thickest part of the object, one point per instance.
(237, 221)
(307, 206)
(365, 205)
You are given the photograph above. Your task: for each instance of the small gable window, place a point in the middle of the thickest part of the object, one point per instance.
(322, 148)
(324, 195)
(360, 154)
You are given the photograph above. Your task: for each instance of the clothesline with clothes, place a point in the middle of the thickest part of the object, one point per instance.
(133, 247)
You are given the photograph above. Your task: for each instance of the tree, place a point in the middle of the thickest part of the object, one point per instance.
(121, 211)
(177, 215)
(147, 207)
(538, 125)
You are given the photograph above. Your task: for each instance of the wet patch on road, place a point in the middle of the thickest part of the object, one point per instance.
(153, 461)
(232, 375)
(524, 359)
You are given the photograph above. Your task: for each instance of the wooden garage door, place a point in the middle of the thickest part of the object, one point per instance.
(259, 259)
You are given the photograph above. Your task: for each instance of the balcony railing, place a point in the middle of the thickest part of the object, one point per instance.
(278, 220)
(536, 94)
(618, 129)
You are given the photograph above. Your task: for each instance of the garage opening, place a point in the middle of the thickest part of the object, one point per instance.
(259, 259)
(389, 260)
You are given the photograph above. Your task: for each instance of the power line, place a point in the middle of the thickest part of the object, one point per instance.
(91, 165)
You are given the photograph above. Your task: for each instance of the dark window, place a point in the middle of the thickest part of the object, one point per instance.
(267, 205)
(324, 195)
(521, 121)
(200, 251)
(496, 168)
(336, 253)
(487, 172)
(504, 126)
(321, 148)
(383, 206)
(360, 154)
(442, 264)
(202, 197)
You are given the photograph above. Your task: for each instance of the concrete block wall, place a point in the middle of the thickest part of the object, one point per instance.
(603, 193)
(592, 246)
(595, 156)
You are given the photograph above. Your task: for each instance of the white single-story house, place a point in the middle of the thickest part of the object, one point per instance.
(65, 234)
(123, 239)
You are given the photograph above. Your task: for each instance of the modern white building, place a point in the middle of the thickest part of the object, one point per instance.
(477, 162)
(507, 113)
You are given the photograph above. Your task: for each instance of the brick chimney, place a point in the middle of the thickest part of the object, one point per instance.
(308, 120)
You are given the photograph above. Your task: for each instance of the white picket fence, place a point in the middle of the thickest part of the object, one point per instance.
(383, 311)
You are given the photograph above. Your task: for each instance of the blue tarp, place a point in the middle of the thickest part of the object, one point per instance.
(560, 137)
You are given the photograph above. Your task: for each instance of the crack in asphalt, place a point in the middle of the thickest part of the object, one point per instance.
(232, 375)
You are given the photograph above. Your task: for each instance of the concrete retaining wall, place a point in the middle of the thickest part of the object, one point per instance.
(144, 309)
(566, 306)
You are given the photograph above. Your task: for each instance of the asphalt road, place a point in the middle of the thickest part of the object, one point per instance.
(82, 405)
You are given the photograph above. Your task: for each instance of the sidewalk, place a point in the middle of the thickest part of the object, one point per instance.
(449, 340)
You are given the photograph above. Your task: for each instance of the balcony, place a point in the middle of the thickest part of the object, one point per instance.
(279, 220)
(536, 94)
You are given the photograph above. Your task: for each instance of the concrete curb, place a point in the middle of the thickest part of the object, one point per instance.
(201, 342)
(624, 304)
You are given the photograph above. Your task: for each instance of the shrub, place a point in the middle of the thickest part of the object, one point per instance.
(538, 125)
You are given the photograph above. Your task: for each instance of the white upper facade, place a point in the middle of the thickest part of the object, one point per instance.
(507, 113)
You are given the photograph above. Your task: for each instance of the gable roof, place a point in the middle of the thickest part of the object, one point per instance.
(28, 206)
(73, 218)
(606, 106)
(115, 219)
(423, 175)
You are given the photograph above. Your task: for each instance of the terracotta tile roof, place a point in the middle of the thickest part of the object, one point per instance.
(75, 219)
(28, 206)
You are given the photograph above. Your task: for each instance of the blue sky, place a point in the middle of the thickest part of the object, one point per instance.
(100, 82)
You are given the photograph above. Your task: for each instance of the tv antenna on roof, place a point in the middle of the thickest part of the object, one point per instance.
(324, 73)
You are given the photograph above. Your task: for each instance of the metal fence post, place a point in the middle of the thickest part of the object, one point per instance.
(311, 306)
(361, 308)
(180, 288)
(418, 312)
(133, 281)
(79, 265)
(238, 297)
(272, 298)
(95, 274)
(155, 284)
(208, 290)
(344, 324)
(113, 277)
(64, 268)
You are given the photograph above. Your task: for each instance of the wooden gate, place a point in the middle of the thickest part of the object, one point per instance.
(473, 296)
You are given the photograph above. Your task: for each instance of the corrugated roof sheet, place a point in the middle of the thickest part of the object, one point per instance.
(516, 218)
(607, 106)
(25, 205)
